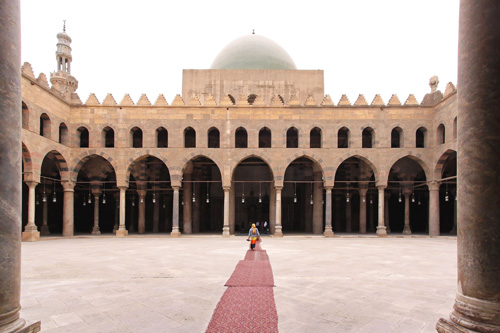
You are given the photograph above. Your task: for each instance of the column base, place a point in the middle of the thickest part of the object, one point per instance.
(278, 232)
(96, 231)
(381, 231)
(225, 232)
(406, 231)
(30, 236)
(121, 233)
(20, 326)
(471, 315)
(175, 232)
(328, 232)
(115, 228)
(44, 230)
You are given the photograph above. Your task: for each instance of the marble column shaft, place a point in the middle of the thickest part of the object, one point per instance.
(225, 228)
(31, 226)
(407, 228)
(122, 230)
(10, 164)
(434, 209)
(278, 232)
(95, 229)
(272, 210)
(328, 212)
(477, 303)
(381, 230)
(68, 208)
(44, 229)
(175, 213)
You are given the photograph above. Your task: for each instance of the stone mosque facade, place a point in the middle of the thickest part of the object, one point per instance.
(251, 139)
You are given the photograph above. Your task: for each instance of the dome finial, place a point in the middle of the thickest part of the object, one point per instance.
(253, 31)
(64, 25)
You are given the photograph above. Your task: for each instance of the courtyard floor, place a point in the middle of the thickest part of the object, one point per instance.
(163, 284)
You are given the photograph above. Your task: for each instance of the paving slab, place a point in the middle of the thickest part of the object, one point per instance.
(163, 284)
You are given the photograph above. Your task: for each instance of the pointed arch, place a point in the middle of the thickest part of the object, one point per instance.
(421, 137)
(83, 137)
(64, 134)
(315, 137)
(265, 138)
(213, 137)
(45, 126)
(136, 137)
(343, 137)
(189, 137)
(108, 137)
(241, 138)
(440, 135)
(292, 138)
(161, 137)
(368, 138)
(397, 137)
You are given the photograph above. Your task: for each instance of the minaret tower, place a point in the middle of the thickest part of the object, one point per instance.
(62, 79)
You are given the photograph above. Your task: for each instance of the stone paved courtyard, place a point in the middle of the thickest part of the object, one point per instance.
(163, 284)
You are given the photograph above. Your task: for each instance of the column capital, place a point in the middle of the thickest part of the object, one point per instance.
(381, 187)
(141, 193)
(363, 191)
(434, 185)
(278, 188)
(226, 188)
(328, 188)
(123, 188)
(68, 185)
(176, 188)
(31, 183)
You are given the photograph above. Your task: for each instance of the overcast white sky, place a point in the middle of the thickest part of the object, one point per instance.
(363, 46)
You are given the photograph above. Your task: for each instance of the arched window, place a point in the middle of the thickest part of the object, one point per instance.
(241, 138)
(213, 138)
(232, 99)
(189, 138)
(315, 138)
(63, 134)
(136, 136)
(161, 137)
(265, 138)
(455, 128)
(25, 115)
(45, 125)
(292, 138)
(343, 138)
(251, 99)
(441, 134)
(108, 137)
(368, 137)
(396, 137)
(83, 137)
(421, 137)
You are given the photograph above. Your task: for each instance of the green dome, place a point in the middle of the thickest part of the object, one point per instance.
(253, 52)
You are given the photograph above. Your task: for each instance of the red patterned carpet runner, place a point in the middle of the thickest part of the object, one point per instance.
(248, 303)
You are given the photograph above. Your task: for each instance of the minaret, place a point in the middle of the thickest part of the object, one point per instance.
(62, 79)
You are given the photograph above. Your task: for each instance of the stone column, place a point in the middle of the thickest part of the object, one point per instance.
(477, 304)
(277, 228)
(187, 220)
(305, 204)
(122, 230)
(362, 210)
(434, 209)
(453, 231)
(328, 212)
(31, 232)
(225, 228)
(407, 228)
(131, 227)
(117, 212)
(44, 229)
(68, 208)
(381, 230)
(272, 209)
(372, 216)
(95, 229)
(10, 164)
(175, 213)
(141, 223)
(336, 207)
(317, 205)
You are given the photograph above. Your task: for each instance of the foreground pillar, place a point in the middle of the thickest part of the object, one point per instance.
(381, 230)
(328, 212)
(31, 232)
(477, 302)
(68, 208)
(433, 209)
(10, 164)
(122, 231)
(225, 228)
(44, 229)
(175, 213)
(277, 229)
(95, 229)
